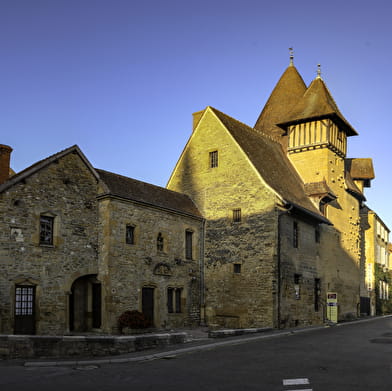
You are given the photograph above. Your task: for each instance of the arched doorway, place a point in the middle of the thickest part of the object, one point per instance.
(85, 304)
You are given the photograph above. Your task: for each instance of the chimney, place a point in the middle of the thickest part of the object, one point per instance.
(5, 157)
(197, 117)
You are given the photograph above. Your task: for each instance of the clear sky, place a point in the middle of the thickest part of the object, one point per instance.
(121, 78)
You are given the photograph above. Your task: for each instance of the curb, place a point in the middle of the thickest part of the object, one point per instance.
(265, 334)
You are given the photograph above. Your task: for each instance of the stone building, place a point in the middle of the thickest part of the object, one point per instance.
(282, 208)
(79, 246)
(258, 227)
(375, 294)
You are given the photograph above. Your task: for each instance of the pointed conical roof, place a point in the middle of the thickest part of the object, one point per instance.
(317, 103)
(286, 94)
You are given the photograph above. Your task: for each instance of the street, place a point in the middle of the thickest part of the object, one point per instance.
(351, 357)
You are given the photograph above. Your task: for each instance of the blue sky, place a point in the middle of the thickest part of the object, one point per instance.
(122, 78)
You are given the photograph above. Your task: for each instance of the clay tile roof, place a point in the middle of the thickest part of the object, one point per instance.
(267, 156)
(132, 189)
(360, 168)
(318, 188)
(316, 103)
(352, 188)
(287, 92)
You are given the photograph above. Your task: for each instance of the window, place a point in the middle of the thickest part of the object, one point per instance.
(237, 268)
(237, 215)
(130, 234)
(188, 244)
(214, 159)
(295, 234)
(297, 281)
(174, 298)
(160, 242)
(170, 292)
(178, 300)
(317, 234)
(340, 135)
(317, 294)
(46, 230)
(24, 300)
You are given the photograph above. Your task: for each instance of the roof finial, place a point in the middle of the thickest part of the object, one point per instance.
(291, 51)
(318, 71)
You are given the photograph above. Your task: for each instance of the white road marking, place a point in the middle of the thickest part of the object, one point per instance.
(306, 389)
(293, 382)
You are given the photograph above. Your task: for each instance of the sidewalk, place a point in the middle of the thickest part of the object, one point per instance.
(197, 339)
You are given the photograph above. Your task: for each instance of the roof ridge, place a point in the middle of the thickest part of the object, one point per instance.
(140, 181)
(248, 128)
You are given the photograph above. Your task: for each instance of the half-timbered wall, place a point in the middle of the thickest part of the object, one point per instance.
(317, 134)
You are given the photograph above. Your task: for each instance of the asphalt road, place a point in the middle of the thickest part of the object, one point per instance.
(353, 357)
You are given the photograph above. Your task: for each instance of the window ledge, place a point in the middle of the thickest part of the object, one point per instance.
(46, 245)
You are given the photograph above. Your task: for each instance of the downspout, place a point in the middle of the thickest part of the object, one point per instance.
(289, 207)
(279, 282)
(202, 283)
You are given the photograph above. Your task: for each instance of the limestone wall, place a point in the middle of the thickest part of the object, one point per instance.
(65, 190)
(240, 257)
(126, 268)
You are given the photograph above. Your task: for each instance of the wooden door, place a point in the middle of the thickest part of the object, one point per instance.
(148, 304)
(24, 309)
(96, 305)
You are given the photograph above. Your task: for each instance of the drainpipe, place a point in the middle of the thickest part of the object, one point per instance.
(202, 283)
(288, 208)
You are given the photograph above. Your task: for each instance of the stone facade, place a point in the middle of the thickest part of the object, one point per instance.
(65, 191)
(127, 269)
(376, 273)
(248, 245)
(299, 235)
(66, 263)
(256, 228)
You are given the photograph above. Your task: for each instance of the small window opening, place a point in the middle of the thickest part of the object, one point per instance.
(237, 215)
(130, 234)
(46, 230)
(297, 280)
(317, 234)
(295, 234)
(237, 268)
(160, 242)
(188, 244)
(170, 300)
(317, 294)
(174, 298)
(214, 159)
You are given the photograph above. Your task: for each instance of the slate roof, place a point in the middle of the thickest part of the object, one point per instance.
(286, 94)
(316, 103)
(267, 156)
(134, 190)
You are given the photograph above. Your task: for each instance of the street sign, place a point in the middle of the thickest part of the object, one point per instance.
(332, 307)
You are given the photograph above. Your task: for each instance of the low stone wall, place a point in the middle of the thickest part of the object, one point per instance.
(34, 346)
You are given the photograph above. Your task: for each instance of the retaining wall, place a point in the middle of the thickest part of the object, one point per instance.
(34, 346)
